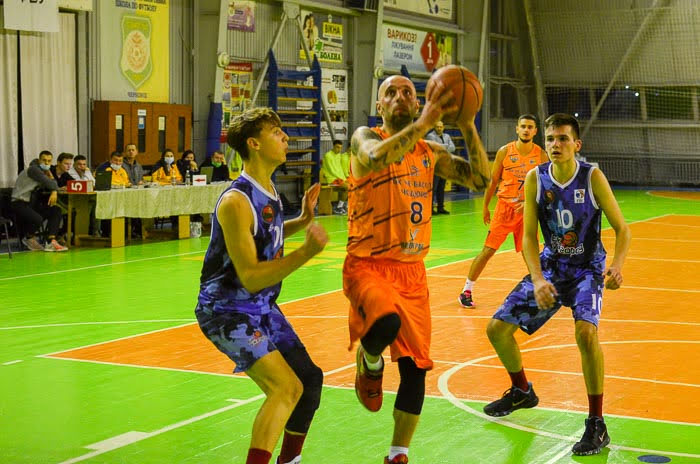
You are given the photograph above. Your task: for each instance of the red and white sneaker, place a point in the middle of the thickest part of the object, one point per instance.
(368, 384)
(53, 245)
(465, 299)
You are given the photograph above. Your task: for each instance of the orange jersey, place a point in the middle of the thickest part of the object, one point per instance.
(515, 168)
(390, 211)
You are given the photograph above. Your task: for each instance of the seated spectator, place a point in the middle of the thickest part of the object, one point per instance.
(335, 170)
(132, 167)
(221, 171)
(120, 178)
(61, 171)
(32, 206)
(80, 170)
(187, 162)
(165, 171)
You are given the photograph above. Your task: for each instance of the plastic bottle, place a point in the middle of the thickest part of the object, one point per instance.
(188, 177)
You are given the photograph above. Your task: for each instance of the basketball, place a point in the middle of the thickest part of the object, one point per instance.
(465, 88)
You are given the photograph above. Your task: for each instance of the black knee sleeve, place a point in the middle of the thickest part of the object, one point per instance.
(382, 333)
(311, 376)
(412, 387)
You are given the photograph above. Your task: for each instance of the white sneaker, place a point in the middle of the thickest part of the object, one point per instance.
(33, 244)
(53, 245)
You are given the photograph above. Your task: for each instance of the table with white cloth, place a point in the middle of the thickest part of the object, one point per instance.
(142, 202)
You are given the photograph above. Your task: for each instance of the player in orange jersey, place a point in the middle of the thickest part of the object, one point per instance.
(512, 162)
(389, 228)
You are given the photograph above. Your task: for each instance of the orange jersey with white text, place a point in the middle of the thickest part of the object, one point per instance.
(515, 168)
(390, 211)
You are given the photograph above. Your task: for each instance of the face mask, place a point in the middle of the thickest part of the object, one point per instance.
(115, 167)
(169, 159)
(45, 167)
(216, 165)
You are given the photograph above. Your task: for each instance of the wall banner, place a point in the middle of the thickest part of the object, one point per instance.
(237, 92)
(135, 49)
(334, 91)
(442, 9)
(328, 46)
(419, 51)
(241, 15)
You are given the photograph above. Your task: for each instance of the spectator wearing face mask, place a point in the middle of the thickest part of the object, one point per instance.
(120, 177)
(32, 207)
(165, 170)
(220, 173)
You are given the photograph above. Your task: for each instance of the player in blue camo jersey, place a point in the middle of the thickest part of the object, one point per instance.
(241, 280)
(566, 197)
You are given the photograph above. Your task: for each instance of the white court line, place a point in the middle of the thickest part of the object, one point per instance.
(131, 437)
(460, 403)
(71, 324)
(607, 376)
(97, 266)
(665, 260)
(674, 225)
(9, 363)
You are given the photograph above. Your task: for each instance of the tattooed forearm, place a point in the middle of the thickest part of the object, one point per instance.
(458, 170)
(375, 154)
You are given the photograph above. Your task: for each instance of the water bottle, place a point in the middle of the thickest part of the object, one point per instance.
(173, 180)
(188, 177)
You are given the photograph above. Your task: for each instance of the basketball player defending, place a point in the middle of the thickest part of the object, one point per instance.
(241, 280)
(566, 197)
(512, 162)
(389, 222)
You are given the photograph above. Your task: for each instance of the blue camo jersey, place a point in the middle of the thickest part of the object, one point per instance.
(219, 283)
(570, 221)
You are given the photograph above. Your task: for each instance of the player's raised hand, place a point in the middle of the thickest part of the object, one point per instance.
(308, 203)
(438, 101)
(316, 238)
(614, 278)
(545, 293)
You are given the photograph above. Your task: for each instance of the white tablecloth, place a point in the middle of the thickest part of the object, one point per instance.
(158, 201)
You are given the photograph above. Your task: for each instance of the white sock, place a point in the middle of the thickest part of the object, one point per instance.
(468, 285)
(341, 204)
(396, 450)
(374, 366)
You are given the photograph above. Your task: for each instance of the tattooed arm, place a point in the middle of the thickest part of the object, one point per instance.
(368, 152)
(474, 173)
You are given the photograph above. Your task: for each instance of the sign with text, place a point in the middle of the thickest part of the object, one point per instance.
(31, 15)
(442, 9)
(237, 92)
(328, 47)
(334, 91)
(135, 46)
(419, 51)
(241, 15)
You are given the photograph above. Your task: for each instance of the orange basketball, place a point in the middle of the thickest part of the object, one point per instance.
(465, 88)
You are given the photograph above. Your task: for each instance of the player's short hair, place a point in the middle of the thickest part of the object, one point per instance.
(63, 156)
(563, 119)
(337, 142)
(116, 154)
(249, 124)
(79, 158)
(45, 152)
(529, 117)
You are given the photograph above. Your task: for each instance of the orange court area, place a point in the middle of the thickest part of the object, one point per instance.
(650, 334)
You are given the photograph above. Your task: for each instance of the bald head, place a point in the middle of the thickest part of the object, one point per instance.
(395, 81)
(397, 103)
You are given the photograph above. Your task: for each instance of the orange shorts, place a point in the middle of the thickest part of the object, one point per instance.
(377, 288)
(503, 222)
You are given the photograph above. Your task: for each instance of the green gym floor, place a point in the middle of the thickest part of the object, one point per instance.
(101, 360)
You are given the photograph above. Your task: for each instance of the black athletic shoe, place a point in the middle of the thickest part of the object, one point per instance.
(594, 439)
(513, 398)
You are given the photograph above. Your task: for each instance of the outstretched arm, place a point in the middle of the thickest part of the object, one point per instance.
(236, 219)
(606, 200)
